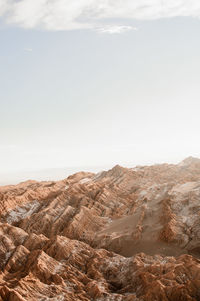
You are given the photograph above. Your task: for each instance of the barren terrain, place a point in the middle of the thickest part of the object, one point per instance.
(122, 234)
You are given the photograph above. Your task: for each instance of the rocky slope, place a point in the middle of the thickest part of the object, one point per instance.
(122, 234)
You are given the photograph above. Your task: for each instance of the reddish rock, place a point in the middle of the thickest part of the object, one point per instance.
(124, 234)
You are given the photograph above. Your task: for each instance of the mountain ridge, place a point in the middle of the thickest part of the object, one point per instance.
(121, 234)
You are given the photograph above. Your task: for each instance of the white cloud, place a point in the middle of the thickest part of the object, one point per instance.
(4, 6)
(115, 29)
(28, 49)
(71, 14)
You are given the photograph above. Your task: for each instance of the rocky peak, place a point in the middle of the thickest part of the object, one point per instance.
(189, 160)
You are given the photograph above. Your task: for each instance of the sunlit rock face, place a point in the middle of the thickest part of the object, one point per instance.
(122, 234)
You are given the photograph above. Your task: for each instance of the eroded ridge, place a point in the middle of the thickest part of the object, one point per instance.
(122, 234)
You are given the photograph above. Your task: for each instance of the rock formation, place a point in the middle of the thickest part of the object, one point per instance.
(122, 234)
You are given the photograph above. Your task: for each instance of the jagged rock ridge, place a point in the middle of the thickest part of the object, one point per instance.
(122, 234)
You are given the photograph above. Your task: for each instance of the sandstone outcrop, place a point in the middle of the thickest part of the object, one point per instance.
(122, 234)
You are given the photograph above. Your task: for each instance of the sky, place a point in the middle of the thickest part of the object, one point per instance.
(94, 83)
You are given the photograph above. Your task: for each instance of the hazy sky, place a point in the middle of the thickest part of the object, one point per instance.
(96, 82)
